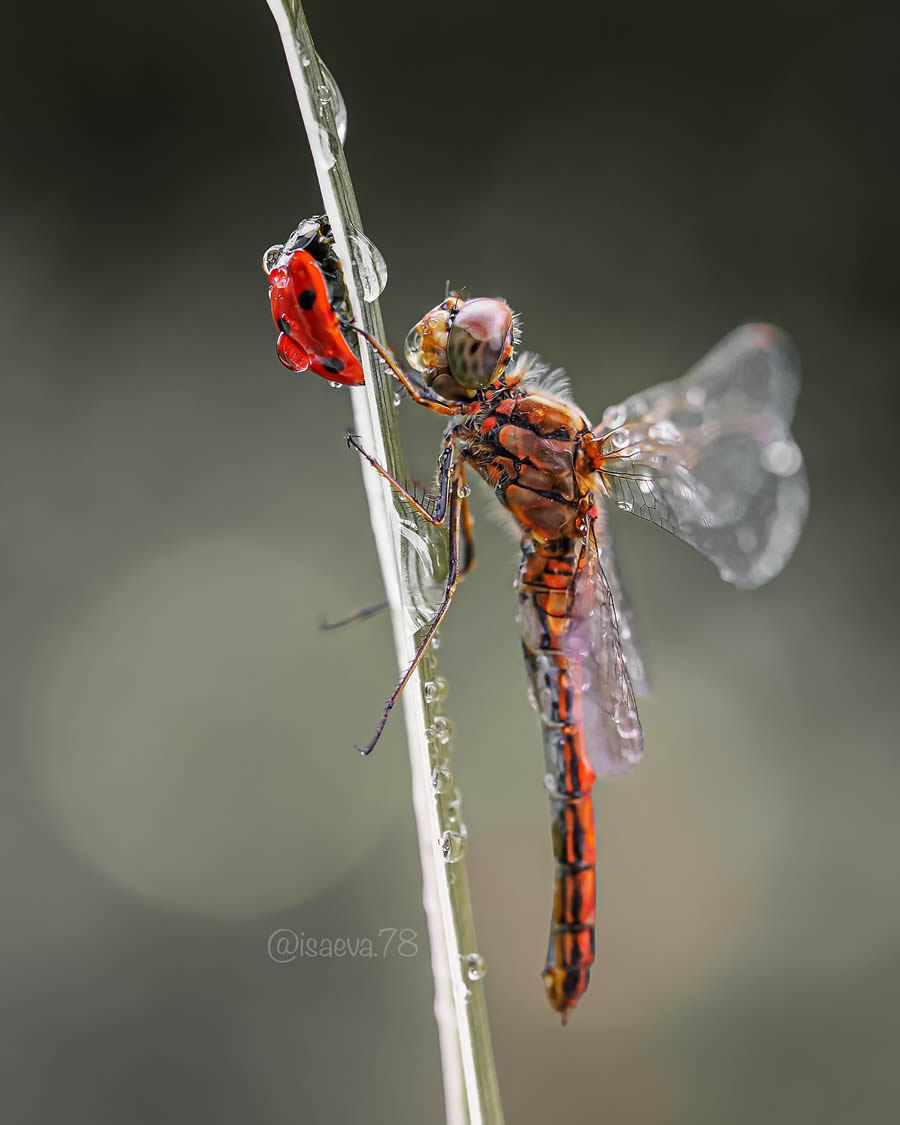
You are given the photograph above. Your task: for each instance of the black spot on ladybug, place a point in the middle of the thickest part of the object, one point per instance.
(307, 299)
(284, 326)
(333, 365)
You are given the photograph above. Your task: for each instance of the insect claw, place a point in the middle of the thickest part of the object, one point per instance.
(365, 751)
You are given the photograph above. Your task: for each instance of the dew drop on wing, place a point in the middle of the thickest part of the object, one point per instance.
(783, 458)
(614, 416)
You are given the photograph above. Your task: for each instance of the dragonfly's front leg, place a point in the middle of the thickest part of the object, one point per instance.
(431, 400)
(454, 503)
(445, 468)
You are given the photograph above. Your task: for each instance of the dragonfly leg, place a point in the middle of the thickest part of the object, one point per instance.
(455, 504)
(466, 524)
(432, 401)
(445, 468)
(360, 615)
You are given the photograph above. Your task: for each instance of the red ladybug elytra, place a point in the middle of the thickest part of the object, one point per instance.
(309, 303)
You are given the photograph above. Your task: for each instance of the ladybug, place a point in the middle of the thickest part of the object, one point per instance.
(310, 303)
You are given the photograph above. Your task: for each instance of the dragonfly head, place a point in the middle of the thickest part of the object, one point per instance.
(463, 347)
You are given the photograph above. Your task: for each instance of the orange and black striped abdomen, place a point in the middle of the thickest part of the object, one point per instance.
(544, 585)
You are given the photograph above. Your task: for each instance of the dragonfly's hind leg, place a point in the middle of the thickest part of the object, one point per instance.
(360, 615)
(455, 504)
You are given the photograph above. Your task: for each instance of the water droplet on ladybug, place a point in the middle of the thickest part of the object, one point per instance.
(270, 257)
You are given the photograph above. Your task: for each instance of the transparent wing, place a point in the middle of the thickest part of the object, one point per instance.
(634, 663)
(710, 456)
(612, 729)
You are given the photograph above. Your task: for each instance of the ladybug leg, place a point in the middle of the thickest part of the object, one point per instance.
(453, 574)
(445, 469)
(432, 401)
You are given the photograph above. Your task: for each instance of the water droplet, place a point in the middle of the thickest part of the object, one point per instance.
(474, 966)
(443, 729)
(441, 779)
(436, 640)
(398, 398)
(695, 396)
(628, 725)
(436, 690)
(783, 458)
(330, 92)
(626, 505)
(614, 416)
(453, 845)
(305, 59)
(620, 438)
(336, 386)
(326, 152)
(454, 810)
(270, 257)
(747, 540)
(280, 278)
(464, 491)
(665, 432)
(370, 265)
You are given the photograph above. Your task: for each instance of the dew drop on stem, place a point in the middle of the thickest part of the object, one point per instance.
(370, 265)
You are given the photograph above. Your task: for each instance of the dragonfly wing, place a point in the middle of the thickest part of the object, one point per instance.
(612, 731)
(634, 663)
(710, 456)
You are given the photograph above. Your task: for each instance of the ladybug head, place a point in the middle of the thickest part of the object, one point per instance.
(462, 347)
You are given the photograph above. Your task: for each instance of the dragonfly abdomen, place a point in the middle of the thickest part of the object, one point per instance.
(545, 584)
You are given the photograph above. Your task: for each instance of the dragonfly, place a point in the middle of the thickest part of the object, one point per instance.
(708, 457)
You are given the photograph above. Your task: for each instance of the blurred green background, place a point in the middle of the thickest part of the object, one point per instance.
(179, 778)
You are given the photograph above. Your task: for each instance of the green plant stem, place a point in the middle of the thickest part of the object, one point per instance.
(413, 556)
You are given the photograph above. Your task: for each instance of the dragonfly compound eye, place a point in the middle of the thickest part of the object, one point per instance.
(479, 339)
